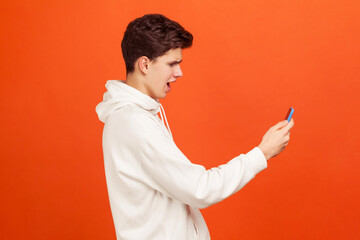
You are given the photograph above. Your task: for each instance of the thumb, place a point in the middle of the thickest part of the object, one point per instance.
(281, 124)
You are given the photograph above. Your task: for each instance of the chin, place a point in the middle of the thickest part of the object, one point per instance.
(163, 96)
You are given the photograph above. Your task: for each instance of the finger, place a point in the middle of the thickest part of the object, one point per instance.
(291, 124)
(286, 140)
(280, 125)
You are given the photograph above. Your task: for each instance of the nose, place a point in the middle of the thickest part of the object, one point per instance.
(177, 72)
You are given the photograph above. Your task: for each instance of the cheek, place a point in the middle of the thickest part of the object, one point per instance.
(166, 74)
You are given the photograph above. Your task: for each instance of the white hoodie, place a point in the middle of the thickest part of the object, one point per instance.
(154, 190)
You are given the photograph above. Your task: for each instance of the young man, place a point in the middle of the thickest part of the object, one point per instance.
(154, 190)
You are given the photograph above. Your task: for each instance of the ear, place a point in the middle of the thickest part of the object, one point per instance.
(143, 63)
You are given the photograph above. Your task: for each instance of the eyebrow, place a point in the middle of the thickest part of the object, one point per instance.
(173, 62)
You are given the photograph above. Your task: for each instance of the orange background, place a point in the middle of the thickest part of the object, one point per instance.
(250, 61)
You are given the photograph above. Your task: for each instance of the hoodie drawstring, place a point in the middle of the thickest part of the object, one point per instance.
(163, 116)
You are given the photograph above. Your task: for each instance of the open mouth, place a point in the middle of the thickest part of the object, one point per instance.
(168, 87)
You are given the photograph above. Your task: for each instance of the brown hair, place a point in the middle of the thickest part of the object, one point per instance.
(152, 35)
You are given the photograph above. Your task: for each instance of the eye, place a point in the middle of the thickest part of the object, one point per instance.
(173, 64)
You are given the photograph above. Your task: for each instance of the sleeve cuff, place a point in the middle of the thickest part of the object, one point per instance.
(257, 159)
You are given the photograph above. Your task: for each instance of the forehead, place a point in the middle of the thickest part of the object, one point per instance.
(173, 55)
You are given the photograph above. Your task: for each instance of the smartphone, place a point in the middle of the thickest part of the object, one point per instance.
(289, 114)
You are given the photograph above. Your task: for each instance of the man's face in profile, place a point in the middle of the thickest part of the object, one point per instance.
(163, 71)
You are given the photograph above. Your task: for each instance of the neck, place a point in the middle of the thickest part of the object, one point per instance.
(136, 81)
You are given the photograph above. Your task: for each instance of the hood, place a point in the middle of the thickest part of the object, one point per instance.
(119, 94)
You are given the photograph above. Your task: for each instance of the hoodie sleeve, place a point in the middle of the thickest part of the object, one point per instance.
(165, 168)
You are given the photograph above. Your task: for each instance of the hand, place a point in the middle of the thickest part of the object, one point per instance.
(276, 139)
